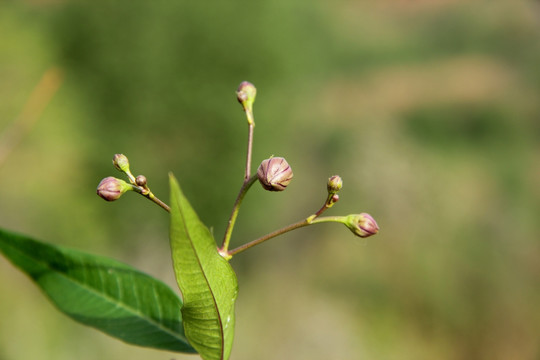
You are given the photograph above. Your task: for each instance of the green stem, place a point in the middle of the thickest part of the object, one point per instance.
(150, 195)
(308, 221)
(234, 214)
(249, 115)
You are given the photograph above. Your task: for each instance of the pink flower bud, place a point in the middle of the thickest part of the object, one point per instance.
(112, 188)
(274, 174)
(362, 225)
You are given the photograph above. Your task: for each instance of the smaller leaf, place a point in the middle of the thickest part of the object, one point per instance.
(207, 281)
(103, 293)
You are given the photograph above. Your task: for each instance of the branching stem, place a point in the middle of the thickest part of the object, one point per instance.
(308, 221)
(234, 214)
(248, 181)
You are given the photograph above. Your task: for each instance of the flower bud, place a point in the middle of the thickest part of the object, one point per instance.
(274, 174)
(334, 184)
(112, 188)
(362, 225)
(121, 162)
(246, 96)
(140, 180)
(246, 93)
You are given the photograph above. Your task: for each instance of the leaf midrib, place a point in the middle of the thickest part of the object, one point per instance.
(222, 335)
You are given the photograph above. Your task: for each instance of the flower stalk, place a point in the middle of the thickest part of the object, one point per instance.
(245, 94)
(311, 220)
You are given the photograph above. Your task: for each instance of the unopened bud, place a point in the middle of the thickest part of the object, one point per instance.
(246, 94)
(334, 184)
(274, 174)
(121, 162)
(112, 188)
(140, 180)
(362, 225)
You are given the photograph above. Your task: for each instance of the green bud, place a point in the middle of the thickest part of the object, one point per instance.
(121, 162)
(246, 94)
(362, 225)
(274, 174)
(112, 188)
(334, 184)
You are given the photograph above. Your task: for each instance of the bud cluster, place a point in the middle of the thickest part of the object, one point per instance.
(333, 186)
(112, 189)
(274, 174)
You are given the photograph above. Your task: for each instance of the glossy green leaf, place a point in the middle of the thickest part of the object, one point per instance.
(102, 293)
(207, 281)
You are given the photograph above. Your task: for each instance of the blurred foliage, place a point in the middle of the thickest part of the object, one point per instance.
(428, 110)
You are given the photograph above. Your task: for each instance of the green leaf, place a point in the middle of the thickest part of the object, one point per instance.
(207, 281)
(102, 293)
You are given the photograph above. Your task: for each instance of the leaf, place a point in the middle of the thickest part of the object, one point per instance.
(207, 281)
(102, 293)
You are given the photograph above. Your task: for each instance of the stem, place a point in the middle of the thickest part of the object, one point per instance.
(249, 151)
(155, 199)
(234, 214)
(321, 210)
(248, 181)
(150, 196)
(307, 221)
(249, 114)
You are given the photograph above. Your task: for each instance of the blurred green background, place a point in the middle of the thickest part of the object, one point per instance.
(429, 110)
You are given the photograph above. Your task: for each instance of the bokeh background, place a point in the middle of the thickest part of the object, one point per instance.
(429, 110)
